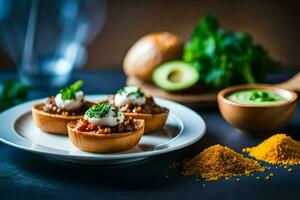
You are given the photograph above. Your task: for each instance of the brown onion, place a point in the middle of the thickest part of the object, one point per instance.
(150, 51)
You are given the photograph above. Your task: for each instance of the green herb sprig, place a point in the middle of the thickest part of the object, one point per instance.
(98, 111)
(69, 91)
(261, 96)
(12, 93)
(138, 93)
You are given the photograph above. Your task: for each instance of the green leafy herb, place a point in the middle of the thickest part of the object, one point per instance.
(225, 58)
(121, 90)
(98, 111)
(69, 91)
(12, 93)
(261, 96)
(137, 93)
(116, 112)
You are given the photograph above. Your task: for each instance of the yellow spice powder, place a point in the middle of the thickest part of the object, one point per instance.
(278, 149)
(218, 162)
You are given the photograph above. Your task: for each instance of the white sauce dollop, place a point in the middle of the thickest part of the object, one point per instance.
(128, 96)
(113, 118)
(70, 104)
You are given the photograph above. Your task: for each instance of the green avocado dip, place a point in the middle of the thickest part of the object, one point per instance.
(256, 97)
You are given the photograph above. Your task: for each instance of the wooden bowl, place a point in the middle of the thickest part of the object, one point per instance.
(257, 118)
(51, 123)
(153, 122)
(105, 143)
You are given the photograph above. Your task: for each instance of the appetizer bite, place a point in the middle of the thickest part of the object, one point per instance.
(53, 115)
(133, 102)
(105, 129)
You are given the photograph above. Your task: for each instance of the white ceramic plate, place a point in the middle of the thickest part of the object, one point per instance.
(183, 128)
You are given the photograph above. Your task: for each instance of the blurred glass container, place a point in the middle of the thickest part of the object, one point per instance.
(47, 38)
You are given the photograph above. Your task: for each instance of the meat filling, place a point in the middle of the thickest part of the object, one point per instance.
(51, 108)
(128, 125)
(148, 108)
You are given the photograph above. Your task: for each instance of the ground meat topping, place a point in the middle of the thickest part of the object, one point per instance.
(128, 125)
(50, 107)
(150, 107)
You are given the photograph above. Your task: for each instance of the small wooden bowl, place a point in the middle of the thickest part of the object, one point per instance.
(153, 122)
(105, 143)
(260, 119)
(51, 123)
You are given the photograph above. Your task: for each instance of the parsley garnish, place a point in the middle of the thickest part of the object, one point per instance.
(116, 112)
(261, 96)
(69, 91)
(137, 93)
(98, 111)
(121, 90)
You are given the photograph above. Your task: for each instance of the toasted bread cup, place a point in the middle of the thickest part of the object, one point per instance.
(105, 143)
(52, 123)
(153, 122)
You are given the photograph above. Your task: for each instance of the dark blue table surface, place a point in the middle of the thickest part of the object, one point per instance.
(25, 175)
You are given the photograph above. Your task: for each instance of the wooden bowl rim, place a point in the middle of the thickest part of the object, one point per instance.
(141, 125)
(35, 108)
(225, 92)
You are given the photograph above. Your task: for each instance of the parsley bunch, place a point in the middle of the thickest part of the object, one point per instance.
(69, 91)
(225, 58)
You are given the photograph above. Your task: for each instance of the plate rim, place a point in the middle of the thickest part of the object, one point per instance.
(98, 156)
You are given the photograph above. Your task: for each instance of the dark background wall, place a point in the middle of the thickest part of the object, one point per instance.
(275, 24)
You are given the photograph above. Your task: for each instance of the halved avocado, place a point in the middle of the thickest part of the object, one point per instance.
(175, 75)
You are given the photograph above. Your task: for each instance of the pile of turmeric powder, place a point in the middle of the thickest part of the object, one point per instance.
(218, 162)
(278, 149)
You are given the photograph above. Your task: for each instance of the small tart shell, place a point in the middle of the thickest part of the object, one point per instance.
(105, 143)
(52, 123)
(153, 122)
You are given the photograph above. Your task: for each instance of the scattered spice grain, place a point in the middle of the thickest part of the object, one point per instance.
(278, 149)
(174, 165)
(218, 162)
